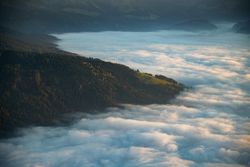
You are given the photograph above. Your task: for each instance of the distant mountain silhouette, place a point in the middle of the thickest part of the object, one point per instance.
(242, 27)
(98, 15)
(194, 25)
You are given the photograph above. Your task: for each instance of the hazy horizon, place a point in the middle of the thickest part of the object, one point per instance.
(97, 15)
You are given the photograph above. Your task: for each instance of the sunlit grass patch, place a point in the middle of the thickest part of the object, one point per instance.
(150, 79)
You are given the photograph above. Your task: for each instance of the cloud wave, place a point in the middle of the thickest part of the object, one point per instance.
(205, 126)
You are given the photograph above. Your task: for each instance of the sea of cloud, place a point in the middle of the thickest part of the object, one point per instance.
(207, 125)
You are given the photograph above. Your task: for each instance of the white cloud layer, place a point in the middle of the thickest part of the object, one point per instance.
(205, 126)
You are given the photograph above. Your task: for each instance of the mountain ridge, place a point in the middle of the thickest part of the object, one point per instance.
(86, 15)
(40, 84)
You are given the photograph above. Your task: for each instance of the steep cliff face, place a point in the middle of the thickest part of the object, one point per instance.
(40, 85)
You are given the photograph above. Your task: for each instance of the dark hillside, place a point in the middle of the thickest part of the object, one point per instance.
(39, 83)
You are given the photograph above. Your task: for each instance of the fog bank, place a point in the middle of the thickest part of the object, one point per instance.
(206, 126)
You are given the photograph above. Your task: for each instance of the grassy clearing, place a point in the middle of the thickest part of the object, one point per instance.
(150, 79)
